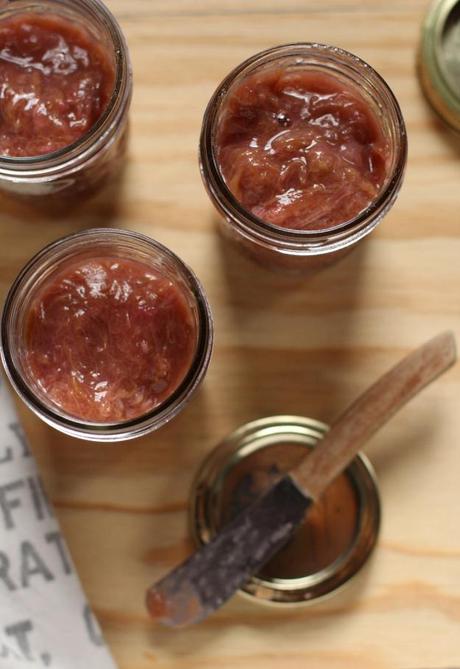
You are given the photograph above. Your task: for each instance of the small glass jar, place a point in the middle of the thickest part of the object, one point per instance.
(84, 167)
(37, 276)
(293, 249)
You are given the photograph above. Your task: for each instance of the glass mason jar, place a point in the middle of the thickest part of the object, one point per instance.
(27, 292)
(293, 249)
(82, 168)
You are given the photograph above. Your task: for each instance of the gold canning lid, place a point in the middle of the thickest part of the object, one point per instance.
(337, 536)
(439, 60)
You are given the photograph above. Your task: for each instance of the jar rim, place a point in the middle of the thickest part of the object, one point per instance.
(219, 466)
(29, 165)
(159, 415)
(210, 167)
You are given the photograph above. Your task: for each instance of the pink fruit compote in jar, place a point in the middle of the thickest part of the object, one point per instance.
(106, 334)
(65, 92)
(56, 81)
(302, 151)
(109, 339)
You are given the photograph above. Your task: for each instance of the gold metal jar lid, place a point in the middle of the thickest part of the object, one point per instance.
(439, 60)
(338, 534)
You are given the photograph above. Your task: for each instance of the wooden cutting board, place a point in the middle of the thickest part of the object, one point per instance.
(281, 347)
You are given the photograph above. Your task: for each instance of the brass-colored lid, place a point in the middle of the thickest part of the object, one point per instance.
(318, 560)
(439, 60)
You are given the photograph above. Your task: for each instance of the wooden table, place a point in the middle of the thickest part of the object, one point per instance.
(281, 347)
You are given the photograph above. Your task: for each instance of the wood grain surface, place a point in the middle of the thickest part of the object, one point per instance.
(281, 347)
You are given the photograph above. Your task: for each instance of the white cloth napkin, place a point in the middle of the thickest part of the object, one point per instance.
(45, 620)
